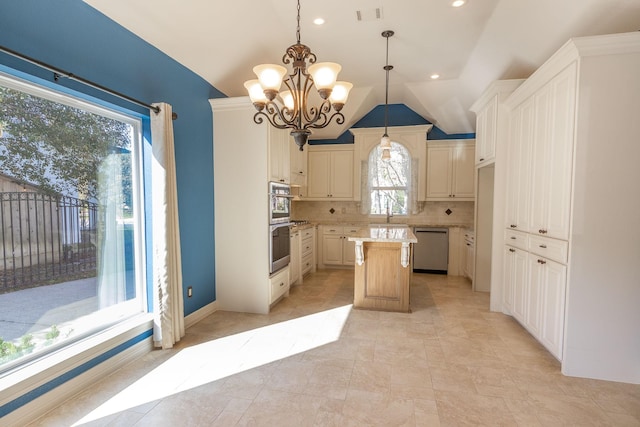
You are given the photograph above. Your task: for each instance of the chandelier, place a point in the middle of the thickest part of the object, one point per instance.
(290, 108)
(385, 142)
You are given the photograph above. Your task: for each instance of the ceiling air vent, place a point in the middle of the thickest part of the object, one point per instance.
(369, 14)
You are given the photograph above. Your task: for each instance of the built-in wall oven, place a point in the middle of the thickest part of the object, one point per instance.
(279, 247)
(279, 226)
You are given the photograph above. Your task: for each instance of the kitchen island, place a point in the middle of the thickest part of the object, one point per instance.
(383, 267)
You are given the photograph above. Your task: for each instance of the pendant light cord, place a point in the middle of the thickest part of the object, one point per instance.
(387, 68)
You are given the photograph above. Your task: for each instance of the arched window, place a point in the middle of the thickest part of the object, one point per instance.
(389, 181)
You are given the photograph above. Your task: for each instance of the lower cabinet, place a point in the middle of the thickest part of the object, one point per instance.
(279, 285)
(294, 262)
(534, 291)
(336, 248)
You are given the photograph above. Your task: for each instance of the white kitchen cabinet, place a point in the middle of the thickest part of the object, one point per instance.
(307, 251)
(298, 169)
(279, 285)
(519, 166)
(330, 173)
(552, 156)
(486, 131)
(553, 291)
(516, 284)
(583, 166)
(533, 296)
(469, 254)
(295, 260)
(450, 170)
(279, 152)
(242, 167)
(337, 250)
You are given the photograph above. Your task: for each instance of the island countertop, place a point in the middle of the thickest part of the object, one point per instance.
(383, 233)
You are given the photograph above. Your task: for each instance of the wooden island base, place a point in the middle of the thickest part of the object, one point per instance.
(381, 282)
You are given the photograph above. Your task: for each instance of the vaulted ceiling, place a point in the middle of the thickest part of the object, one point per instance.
(469, 46)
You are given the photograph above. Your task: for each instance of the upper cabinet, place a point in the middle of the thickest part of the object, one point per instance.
(450, 170)
(330, 174)
(491, 119)
(279, 146)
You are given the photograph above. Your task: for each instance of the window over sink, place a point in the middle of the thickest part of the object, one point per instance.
(389, 181)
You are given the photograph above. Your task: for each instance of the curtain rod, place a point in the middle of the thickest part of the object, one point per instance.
(57, 73)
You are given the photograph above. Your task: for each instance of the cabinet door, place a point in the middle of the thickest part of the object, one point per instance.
(294, 263)
(553, 300)
(279, 155)
(518, 175)
(520, 285)
(486, 132)
(341, 175)
(349, 248)
(318, 179)
(508, 277)
(332, 246)
(439, 173)
(559, 154)
(533, 318)
(464, 172)
(298, 165)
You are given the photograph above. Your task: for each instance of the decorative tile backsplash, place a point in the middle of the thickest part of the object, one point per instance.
(433, 213)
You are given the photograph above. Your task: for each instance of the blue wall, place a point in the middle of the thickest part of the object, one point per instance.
(72, 36)
(399, 115)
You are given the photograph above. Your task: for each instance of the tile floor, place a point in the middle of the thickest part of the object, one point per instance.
(314, 361)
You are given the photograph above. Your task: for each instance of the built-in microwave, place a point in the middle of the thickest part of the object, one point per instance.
(279, 203)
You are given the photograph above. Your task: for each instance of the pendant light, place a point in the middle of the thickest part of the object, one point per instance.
(385, 142)
(291, 110)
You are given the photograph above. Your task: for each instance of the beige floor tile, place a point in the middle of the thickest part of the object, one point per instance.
(450, 362)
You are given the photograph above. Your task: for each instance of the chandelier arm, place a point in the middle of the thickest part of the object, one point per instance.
(339, 120)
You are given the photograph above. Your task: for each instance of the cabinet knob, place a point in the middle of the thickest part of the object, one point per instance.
(513, 226)
(513, 238)
(543, 246)
(481, 159)
(542, 231)
(511, 250)
(281, 284)
(540, 261)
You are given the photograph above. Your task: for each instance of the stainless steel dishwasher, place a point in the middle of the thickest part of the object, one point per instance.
(431, 253)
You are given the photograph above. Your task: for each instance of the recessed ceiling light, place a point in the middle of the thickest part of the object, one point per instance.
(434, 76)
(318, 21)
(458, 3)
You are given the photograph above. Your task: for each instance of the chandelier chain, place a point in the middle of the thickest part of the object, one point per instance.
(298, 27)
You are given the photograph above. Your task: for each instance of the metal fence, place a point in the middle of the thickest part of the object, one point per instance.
(45, 239)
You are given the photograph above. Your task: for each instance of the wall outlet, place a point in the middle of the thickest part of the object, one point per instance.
(189, 292)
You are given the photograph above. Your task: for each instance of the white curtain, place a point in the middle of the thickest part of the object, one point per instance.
(111, 259)
(168, 304)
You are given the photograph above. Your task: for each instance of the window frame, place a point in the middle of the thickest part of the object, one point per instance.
(125, 311)
(406, 188)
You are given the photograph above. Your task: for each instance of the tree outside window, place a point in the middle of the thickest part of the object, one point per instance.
(389, 181)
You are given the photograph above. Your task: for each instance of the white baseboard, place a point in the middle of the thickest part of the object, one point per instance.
(200, 314)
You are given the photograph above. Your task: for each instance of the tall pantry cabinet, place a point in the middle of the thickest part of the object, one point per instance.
(246, 156)
(572, 244)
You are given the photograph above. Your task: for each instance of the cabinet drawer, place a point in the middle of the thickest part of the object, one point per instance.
(307, 264)
(333, 230)
(553, 249)
(517, 239)
(306, 233)
(279, 284)
(351, 231)
(306, 247)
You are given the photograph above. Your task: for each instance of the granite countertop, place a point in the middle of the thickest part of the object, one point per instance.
(383, 233)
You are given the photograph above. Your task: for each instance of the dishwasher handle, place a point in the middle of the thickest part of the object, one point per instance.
(429, 230)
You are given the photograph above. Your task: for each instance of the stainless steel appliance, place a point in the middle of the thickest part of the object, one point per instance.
(431, 253)
(279, 203)
(279, 247)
